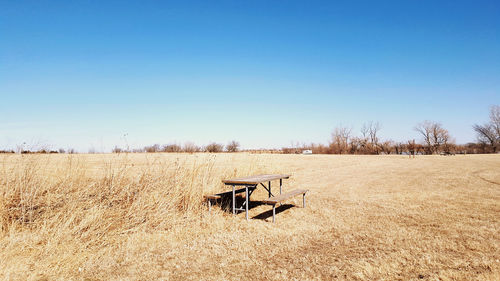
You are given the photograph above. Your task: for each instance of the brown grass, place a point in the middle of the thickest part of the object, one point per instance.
(142, 217)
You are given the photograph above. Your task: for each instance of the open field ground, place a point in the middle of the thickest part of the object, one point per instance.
(142, 217)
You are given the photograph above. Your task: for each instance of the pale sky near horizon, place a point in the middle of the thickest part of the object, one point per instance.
(95, 74)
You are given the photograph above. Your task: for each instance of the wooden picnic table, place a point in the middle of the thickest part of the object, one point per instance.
(251, 183)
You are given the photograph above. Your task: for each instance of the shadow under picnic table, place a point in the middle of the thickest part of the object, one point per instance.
(269, 213)
(225, 203)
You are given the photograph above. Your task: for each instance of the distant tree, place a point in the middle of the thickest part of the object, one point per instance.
(364, 139)
(214, 147)
(365, 131)
(399, 147)
(232, 146)
(442, 139)
(369, 140)
(412, 148)
(61, 150)
(486, 134)
(116, 149)
(489, 133)
(152, 148)
(340, 140)
(190, 147)
(356, 145)
(425, 129)
(171, 148)
(373, 131)
(472, 148)
(319, 149)
(434, 136)
(387, 146)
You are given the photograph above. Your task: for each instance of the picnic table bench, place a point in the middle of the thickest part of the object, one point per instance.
(250, 184)
(282, 197)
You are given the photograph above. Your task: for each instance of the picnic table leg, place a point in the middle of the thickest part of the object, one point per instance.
(209, 205)
(303, 200)
(274, 211)
(281, 185)
(234, 204)
(246, 205)
(269, 189)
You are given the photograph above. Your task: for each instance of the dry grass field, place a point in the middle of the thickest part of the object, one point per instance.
(142, 217)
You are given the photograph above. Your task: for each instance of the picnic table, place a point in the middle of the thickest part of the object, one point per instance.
(250, 184)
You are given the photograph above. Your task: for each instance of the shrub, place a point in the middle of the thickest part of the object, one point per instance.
(214, 147)
(232, 146)
(152, 148)
(172, 148)
(190, 147)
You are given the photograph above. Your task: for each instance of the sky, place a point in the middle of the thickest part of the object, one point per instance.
(269, 74)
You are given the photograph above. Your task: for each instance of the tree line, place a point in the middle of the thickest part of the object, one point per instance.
(434, 139)
(188, 147)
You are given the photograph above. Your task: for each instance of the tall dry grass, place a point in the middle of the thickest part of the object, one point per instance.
(117, 194)
(79, 202)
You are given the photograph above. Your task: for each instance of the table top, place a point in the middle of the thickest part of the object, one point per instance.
(254, 179)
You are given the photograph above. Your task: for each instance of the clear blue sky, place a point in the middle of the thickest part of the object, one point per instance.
(83, 74)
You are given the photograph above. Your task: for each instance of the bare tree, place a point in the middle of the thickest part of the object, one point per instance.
(232, 146)
(171, 148)
(214, 147)
(425, 129)
(363, 141)
(190, 147)
(355, 145)
(152, 148)
(411, 148)
(340, 140)
(373, 130)
(387, 146)
(434, 136)
(489, 133)
(486, 134)
(369, 141)
(365, 131)
(398, 147)
(440, 137)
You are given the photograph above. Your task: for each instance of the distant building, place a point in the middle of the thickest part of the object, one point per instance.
(308, 151)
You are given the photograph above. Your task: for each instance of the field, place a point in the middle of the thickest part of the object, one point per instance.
(142, 217)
